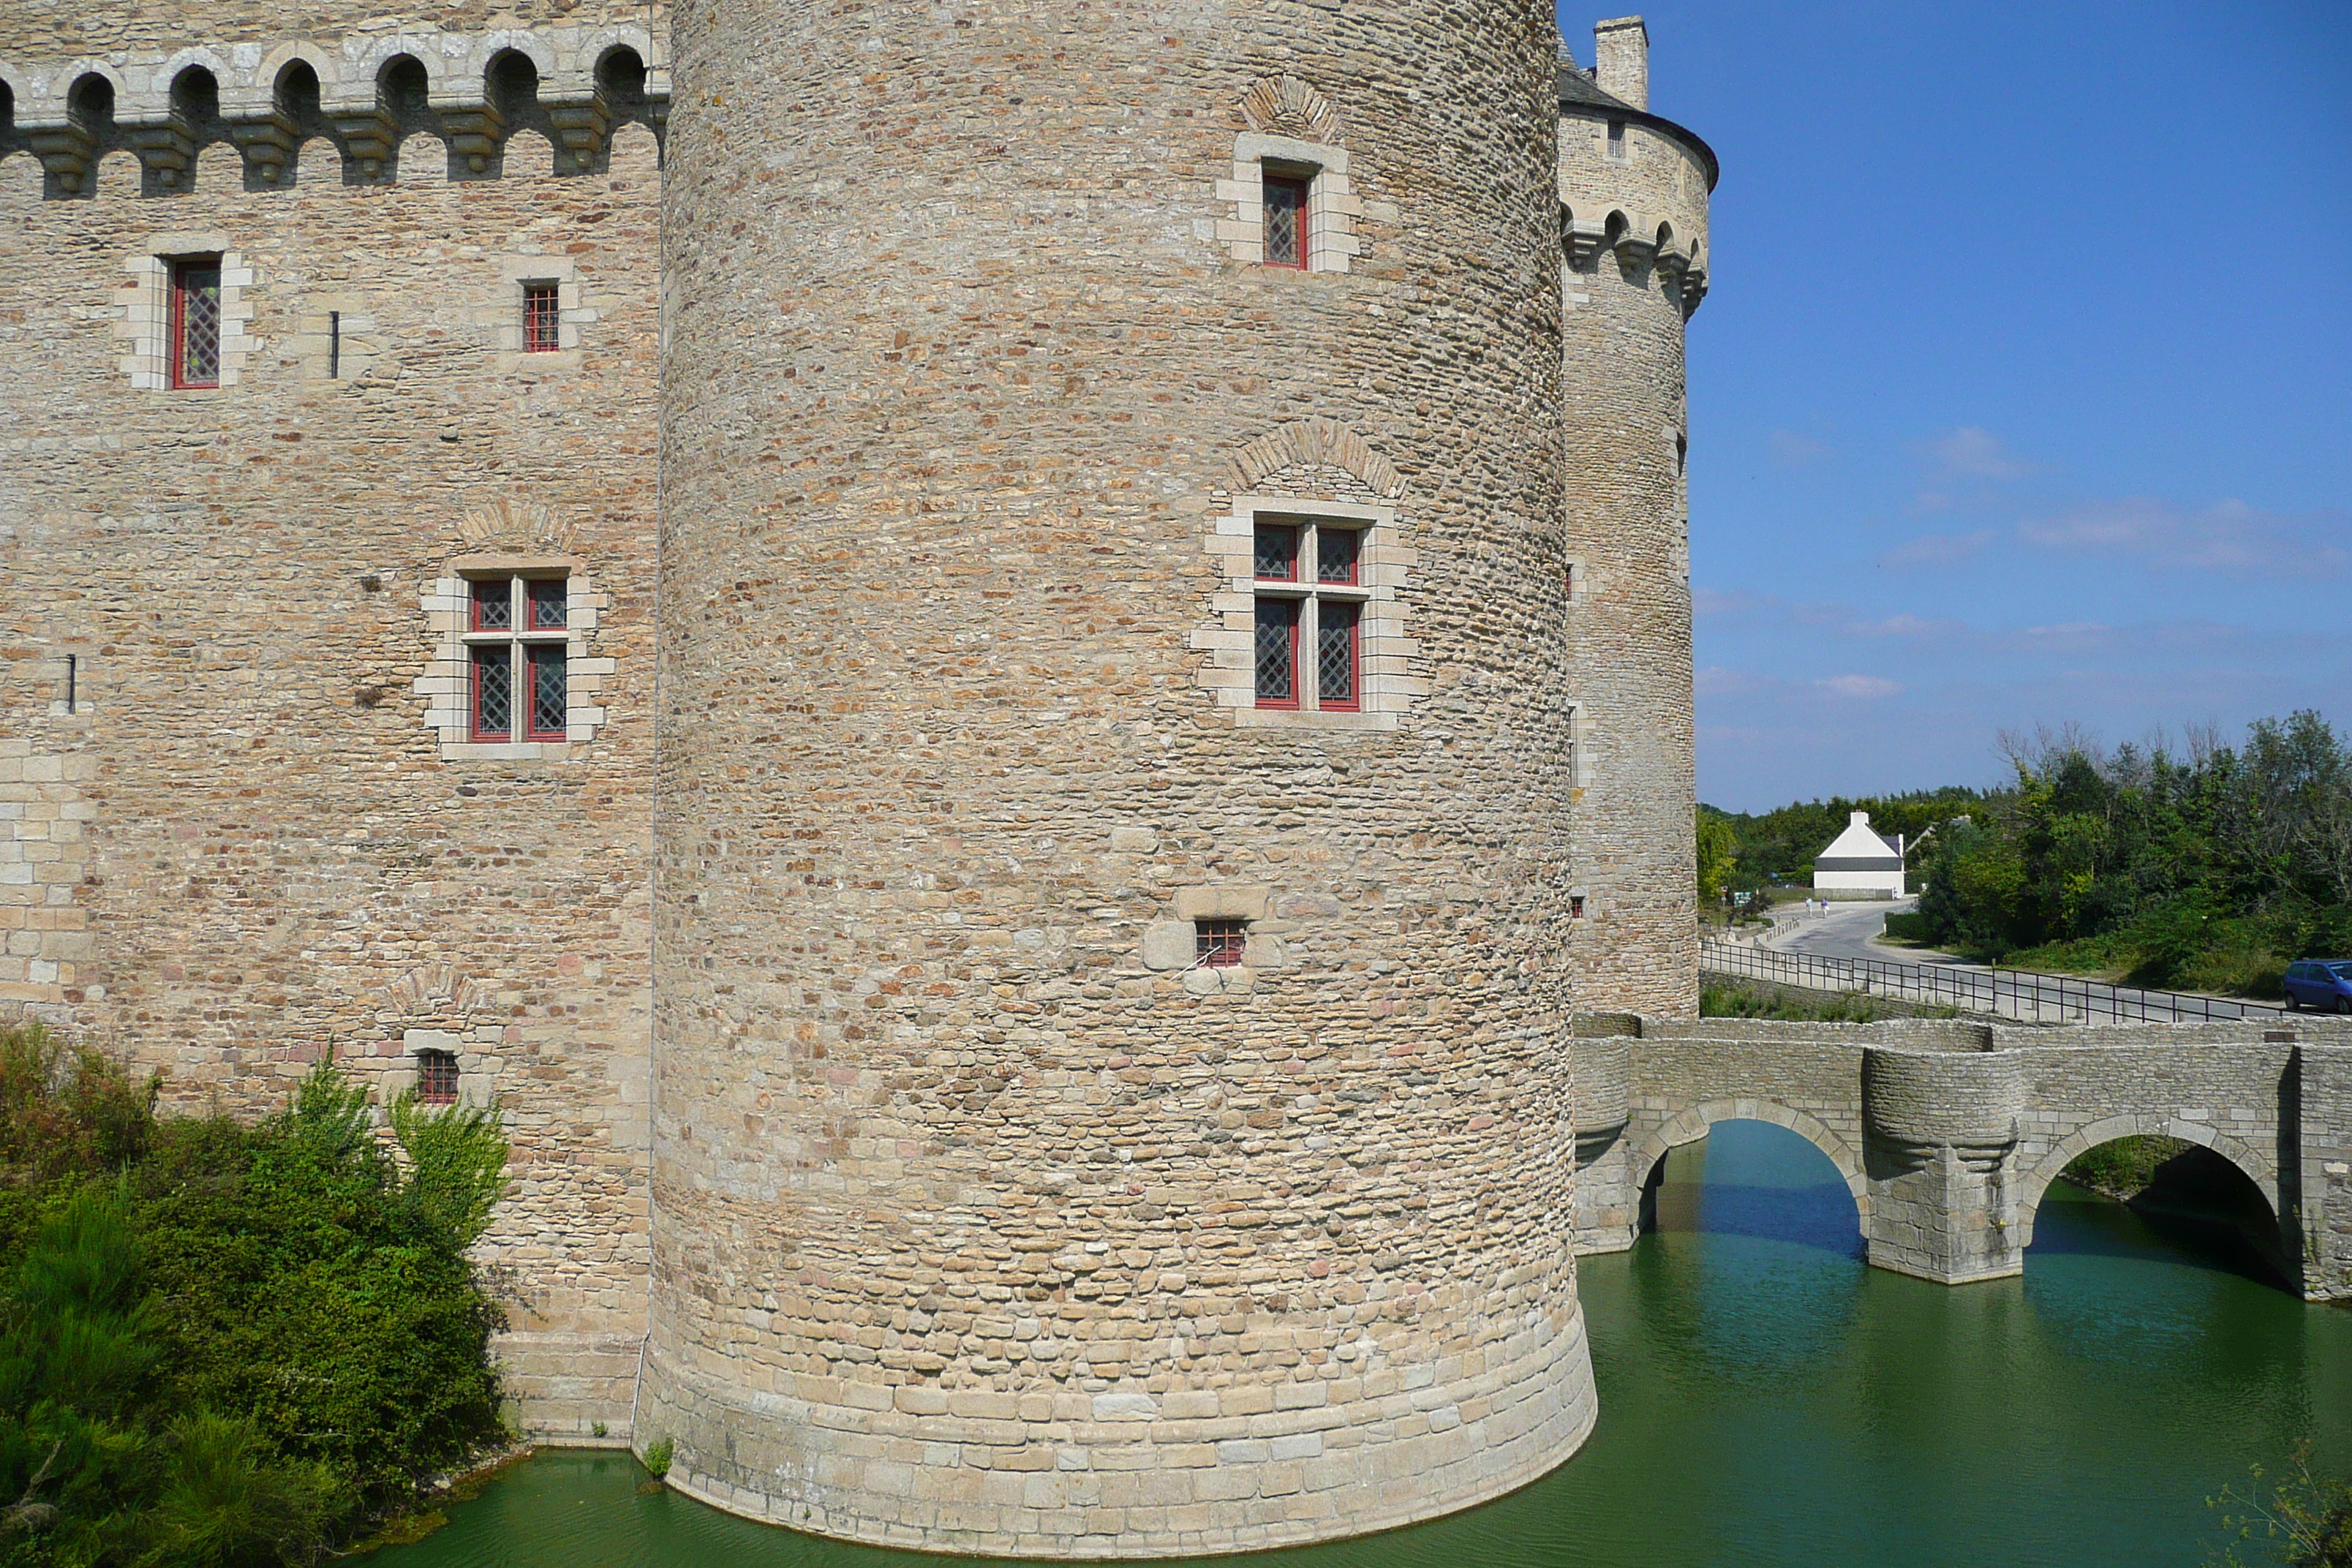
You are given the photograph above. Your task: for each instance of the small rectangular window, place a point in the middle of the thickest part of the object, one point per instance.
(1220, 944)
(1276, 553)
(1616, 141)
(550, 717)
(1287, 236)
(1336, 653)
(1278, 653)
(1576, 906)
(547, 605)
(540, 334)
(493, 693)
(436, 1078)
(196, 321)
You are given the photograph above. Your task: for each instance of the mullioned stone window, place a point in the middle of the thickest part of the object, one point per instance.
(512, 676)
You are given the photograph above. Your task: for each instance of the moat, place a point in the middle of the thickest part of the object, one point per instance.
(1766, 1399)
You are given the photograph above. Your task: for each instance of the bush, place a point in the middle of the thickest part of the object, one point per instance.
(231, 1344)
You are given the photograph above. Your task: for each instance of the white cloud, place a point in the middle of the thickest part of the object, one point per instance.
(1970, 453)
(1714, 680)
(1861, 687)
(1938, 548)
(1718, 602)
(2231, 537)
(1795, 450)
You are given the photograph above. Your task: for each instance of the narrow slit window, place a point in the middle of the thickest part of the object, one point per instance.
(197, 322)
(1220, 944)
(436, 1076)
(334, 345)
(1278, 653)
(540, 319)
(1286, 236)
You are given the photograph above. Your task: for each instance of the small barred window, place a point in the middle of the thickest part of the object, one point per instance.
(1219, 943)
(540, 319)
(436, 1076)
(195, 344)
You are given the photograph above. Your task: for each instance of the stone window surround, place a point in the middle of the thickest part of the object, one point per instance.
(1386, 688)
(146, 311)
(475, 1045)
(1332, 207)
(446, 684)
(1580, 753)
(1170, 943)
(504, 319)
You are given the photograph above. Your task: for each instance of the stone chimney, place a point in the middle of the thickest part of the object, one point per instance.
(1620, 59)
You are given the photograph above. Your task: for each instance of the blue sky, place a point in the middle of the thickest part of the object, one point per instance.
(2022, 392)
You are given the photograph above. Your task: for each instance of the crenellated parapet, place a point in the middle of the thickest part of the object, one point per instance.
(1642, 245)
(366, 94)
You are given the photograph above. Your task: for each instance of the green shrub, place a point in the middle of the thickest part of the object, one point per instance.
(657, 1456)
(232, 1344)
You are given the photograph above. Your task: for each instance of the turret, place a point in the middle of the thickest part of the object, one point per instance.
(1634, 193)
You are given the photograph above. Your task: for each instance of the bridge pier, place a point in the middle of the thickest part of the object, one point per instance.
(1939, 1147)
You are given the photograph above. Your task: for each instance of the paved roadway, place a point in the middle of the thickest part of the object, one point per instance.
(1846, 929)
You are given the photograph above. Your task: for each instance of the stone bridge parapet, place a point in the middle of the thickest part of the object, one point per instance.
(1949, 1134)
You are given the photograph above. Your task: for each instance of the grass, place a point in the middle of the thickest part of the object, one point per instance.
(1721, 1000)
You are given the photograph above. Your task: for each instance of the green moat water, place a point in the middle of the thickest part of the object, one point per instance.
(1766, 1399)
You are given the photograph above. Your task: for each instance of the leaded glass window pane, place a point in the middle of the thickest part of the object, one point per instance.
(1335, 554)
(1278, 553)
(494, 606)
(548, 697)
(1335, 654)
(196, 305)
(1285, 221)
(547, 604)
(1277, 650)
(493, 694)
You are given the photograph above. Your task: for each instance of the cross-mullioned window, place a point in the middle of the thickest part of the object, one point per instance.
(1309, 630)
(517, 648)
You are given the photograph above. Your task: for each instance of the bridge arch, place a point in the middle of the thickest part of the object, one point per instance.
(1692, 1123)
(2035, 1185)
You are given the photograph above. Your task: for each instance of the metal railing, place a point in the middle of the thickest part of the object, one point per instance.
(2022, 993)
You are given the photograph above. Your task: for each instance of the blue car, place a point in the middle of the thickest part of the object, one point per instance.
(2325, 984)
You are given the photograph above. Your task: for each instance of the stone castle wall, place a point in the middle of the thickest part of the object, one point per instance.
(1635, 234)
(983, 1221)
(243, 846)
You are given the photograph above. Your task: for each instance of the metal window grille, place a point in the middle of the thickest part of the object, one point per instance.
(1335, 653)
(1220, 944)
(436, 1078)
(549, 715)
(195, 323)
(493, 604)
(493, 694)
(1277, 555)
(539, 318)
(547, 610)
(1285, 221)
(1336, 550)
(1277, 652)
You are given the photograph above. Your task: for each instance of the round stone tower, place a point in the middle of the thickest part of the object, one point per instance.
(1634, 192)
(1112, 907)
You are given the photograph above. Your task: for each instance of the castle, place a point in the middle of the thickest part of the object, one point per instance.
(1006, 667)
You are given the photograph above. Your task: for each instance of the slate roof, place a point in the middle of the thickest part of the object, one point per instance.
(1580, 91)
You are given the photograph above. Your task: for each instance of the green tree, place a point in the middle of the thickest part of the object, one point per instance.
(1719, 844)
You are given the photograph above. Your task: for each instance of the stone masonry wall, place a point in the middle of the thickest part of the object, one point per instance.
(242, 847)
(983, 1222)
(1629, 543)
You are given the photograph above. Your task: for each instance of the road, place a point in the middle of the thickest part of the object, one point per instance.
(1832, 948)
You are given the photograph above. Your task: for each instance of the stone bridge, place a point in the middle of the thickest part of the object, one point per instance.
(1949, 1133)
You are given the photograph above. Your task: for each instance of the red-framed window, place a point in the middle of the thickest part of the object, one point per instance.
(1308, 650)
(1287, 237)
(196, 321)
(540, 319)
(436, 1076)
(518, 656)
(1221, 943)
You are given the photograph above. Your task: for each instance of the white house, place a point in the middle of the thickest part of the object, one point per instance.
(1859, 861)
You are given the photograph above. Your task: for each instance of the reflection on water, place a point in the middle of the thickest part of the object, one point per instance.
(1766, 1399)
